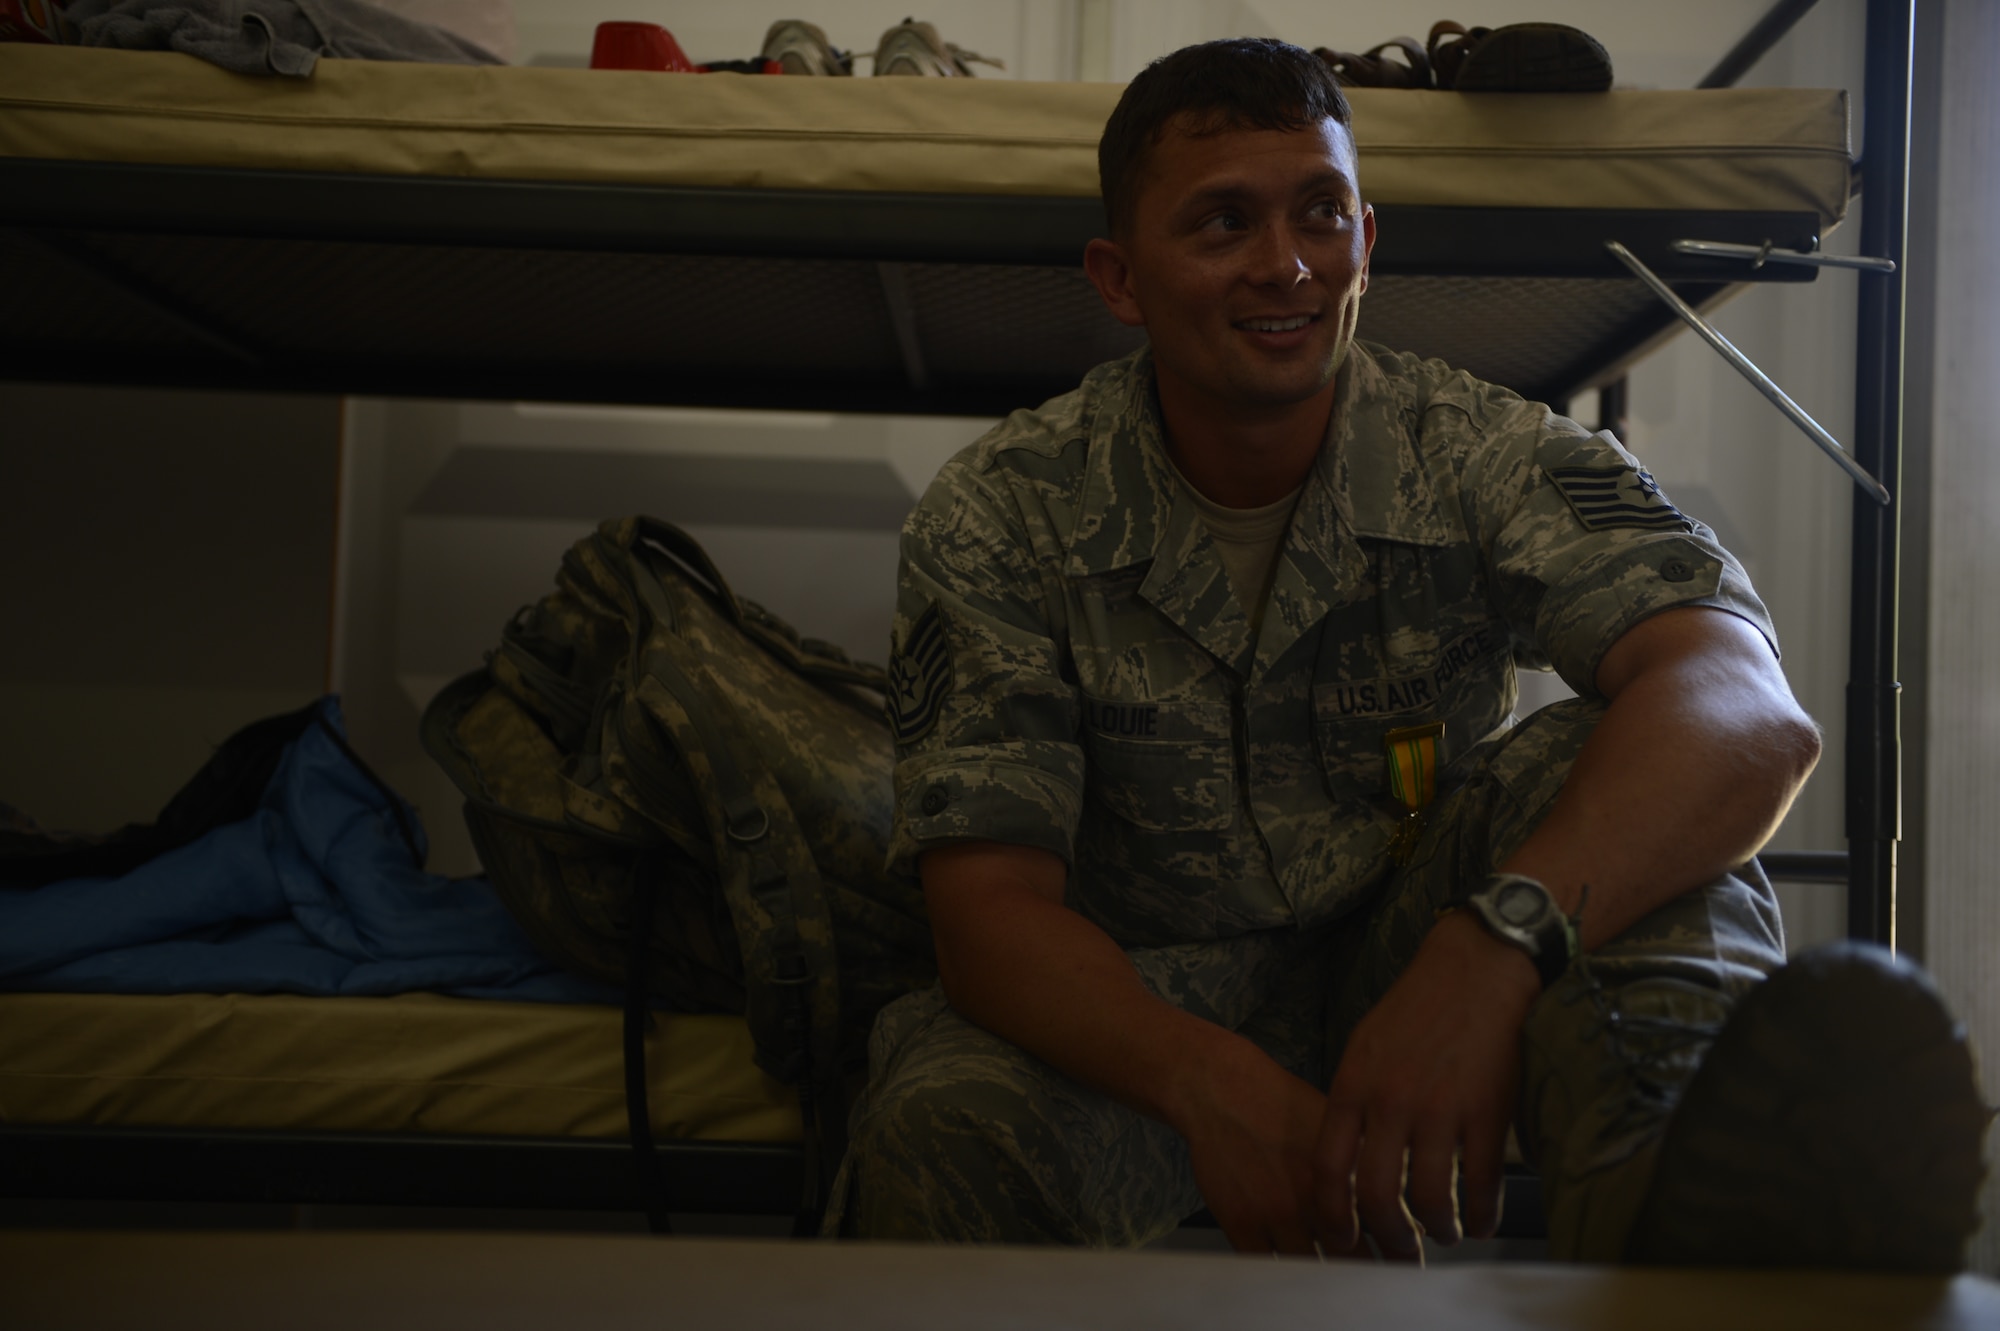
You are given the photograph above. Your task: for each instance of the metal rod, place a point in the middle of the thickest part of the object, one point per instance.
(903, 319)
(130, 285)
(1614, 406)
(1874, 738)
(1756, 43)
(1759, 255)
(1805, 866)
(1748, 369)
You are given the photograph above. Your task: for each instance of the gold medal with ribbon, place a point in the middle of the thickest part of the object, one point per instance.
(1415, 753)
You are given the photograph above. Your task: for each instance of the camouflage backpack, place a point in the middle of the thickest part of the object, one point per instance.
(650, 759)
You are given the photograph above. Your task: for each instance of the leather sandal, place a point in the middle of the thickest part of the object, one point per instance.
(1373, 69)
(1520, 57)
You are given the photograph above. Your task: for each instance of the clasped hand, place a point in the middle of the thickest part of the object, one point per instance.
(1424, 1091)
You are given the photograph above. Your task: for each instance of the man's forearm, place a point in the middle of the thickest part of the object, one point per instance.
(1697, 758)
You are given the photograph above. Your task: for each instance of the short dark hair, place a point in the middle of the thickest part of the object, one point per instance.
(1241, 83)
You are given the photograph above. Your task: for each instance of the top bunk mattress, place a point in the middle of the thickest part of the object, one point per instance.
(1722, 149)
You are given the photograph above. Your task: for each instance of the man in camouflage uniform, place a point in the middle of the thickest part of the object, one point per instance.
(1203, 684)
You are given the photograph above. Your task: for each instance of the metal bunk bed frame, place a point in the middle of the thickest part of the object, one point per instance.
(61, 209)
(42, 202)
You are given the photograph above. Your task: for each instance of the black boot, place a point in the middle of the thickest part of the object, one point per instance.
(1836, 1122)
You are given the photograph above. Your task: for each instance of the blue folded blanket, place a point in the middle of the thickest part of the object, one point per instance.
(320, 891)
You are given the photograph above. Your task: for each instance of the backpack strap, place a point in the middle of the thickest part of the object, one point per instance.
(565, 704)
(770, 880)
(638, 1112)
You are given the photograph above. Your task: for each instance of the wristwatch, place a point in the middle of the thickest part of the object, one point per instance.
(1519, 911)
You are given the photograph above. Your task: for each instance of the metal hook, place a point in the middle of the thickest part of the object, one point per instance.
(1771, 252)
(1748, 369)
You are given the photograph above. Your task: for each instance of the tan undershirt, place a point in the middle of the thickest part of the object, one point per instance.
(1248, 541)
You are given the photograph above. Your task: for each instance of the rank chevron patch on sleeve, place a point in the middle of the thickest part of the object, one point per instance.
(1606, 497)
(919, 678)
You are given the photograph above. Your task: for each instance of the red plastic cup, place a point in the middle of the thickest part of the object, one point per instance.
(28, 21)
(638, 46)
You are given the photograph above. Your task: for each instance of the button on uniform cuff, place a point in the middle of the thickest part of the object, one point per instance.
(984, 800)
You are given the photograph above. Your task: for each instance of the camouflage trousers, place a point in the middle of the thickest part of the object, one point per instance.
(961, 1136)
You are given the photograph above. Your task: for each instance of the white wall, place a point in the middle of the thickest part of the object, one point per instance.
(169, 561)
(1959, 826)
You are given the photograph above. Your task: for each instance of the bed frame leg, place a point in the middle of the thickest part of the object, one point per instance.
(1874, 741)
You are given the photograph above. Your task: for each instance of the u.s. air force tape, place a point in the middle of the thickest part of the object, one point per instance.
(1607, 497)
(919, 678)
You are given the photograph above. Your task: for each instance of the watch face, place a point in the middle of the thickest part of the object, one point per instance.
(1519, 904)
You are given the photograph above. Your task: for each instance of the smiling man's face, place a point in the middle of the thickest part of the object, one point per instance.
(1245, 258)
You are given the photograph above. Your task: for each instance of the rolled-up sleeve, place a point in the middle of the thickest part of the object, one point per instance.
(985, 716)
(1582, 544)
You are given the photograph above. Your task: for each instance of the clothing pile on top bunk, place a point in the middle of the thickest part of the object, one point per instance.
(285, 866)
(287, 37)
(268, 36)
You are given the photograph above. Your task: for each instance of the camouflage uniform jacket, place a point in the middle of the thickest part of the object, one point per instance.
(1073, 671)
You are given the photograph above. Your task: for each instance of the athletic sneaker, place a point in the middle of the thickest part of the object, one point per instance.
(1837, 1122)
(915, 48)
(802, 48)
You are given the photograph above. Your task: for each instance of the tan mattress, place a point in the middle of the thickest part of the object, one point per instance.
(417, 1063)
(1754, 148)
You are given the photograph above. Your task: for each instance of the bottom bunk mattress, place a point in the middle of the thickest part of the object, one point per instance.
(415, 1063)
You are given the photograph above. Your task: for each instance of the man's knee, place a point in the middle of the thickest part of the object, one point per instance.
(1525, 769)
(1637, 1012)
(960, 1154)
(1612, 1044)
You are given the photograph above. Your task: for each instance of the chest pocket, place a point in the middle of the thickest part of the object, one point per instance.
(1161, 766)
(1422, 646)
(1467, 683)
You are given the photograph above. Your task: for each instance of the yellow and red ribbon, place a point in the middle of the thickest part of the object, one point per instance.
(1415, 753)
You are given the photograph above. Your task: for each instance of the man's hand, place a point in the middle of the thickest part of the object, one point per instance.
(1429, 1075)
(1250, 1129)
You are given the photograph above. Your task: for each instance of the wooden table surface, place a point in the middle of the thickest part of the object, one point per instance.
(303, 1281)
